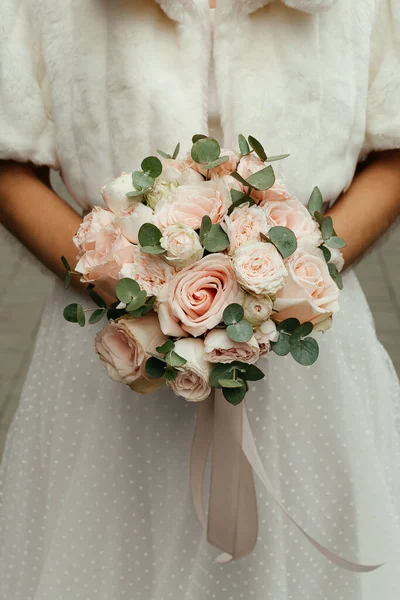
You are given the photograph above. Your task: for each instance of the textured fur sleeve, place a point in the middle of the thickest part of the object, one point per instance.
(383, 105)
(26, 130)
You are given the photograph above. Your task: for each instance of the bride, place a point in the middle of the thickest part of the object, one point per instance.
(95, 499)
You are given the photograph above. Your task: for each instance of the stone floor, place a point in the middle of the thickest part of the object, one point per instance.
(24, 286)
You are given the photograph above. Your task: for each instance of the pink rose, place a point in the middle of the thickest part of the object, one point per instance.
(101, 264)
(188, 204)
(132, 218)
(310, 294)
(178, 172)
(114, 193)
(123, 347)
(97, 220)
(295, 216)
(225, 169)
(244, 225)
(259, 268)
(150, 271)
(249, 165)
(265, 334)
(219, 348)
(195, 298)
(192, 381)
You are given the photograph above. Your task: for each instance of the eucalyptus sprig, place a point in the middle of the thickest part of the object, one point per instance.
(144, 180)
(282, 238)
(68, 273)
(174, 155)
(137, 302)
(293, 339)
(237, 328)
(150, 239)
(252, 144)
(212, 236)
(166, 363)
(233, 378)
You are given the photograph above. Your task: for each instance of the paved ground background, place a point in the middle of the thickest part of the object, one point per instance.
(24, 286)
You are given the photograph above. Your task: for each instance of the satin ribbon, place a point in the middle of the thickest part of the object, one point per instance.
(232, 522)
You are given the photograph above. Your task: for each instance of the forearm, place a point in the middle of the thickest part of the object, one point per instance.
(370, 206)
(39, 218)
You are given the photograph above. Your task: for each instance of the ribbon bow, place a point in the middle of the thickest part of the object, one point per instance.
(232, 524)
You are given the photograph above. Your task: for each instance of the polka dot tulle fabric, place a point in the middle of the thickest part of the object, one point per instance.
(95, 498)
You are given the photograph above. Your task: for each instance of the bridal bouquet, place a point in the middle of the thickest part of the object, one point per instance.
(212, 264)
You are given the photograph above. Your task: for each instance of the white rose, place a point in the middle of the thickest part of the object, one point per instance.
(265, 334)
(310, 294)
(179, 173)
(182, 245)
(192, 381)
(257, 309)
(114, 193)
(160, 191)
(132, 218)
(259, 268)
(219, 348)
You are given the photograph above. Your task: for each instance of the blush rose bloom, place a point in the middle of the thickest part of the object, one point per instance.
(101, 264)
(123, 347)
(219, 348)
(98, 220)
(265, 334)
(182, 245)
(150, 271)
(192, 381)
(249, 165)
(295, 216)
(132, 218)
(244, 225)
(114, 193)
(194, 300)
(188, 204)
(310, 294)
(259, 268)
(225, 169)
(257, 309)
(179, 172)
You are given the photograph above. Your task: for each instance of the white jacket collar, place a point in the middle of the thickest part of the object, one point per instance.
(176, 9)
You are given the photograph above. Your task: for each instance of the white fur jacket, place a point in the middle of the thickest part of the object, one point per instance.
(91, 86)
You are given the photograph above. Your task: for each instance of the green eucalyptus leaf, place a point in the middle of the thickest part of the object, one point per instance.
(319, 217)
(142, 180)
(197, 137)
(80, 314)
(171, 374)
(316, 201)
(205, 228)
(335, 242)
(174, 360)
(327, 253)
(233, 313)
(277, 157)
(149, 305)
(149, 235)
(248, 372)
(166, 347)
(244, 147)
(282, 346)
(97, 299)
(216, 163)
(127, 289)
(155, 368)
(176, 151)
(240, 332)
(137, 302)
(67, 280)
(71, 313)
(152, 165)
(164, 154)
(301, 332)
(305, 352)
(138, 312)
(153, 249)
(205, 150)
(231, 383)
(240, 199)
(220, 371)
(288, 325)
(134, 194)
(327, 228)
(216, 239)
(239, 178)
(257, 147)
(65, 263)
(263, 179)
(97, 315)
(234, 395)
(284, 240)
(336, 276)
